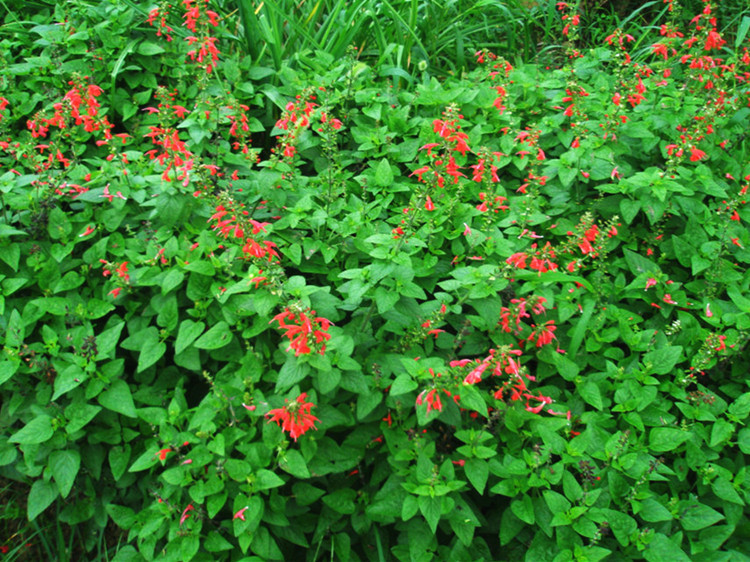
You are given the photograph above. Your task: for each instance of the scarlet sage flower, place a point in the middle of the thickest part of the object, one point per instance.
(713, 41)
(544, 334)
(163, 453)
(302, 330)
(294, 418)
(122, 271)
(518, 260)
(240, 514)
(697, 154)
(89, 230)
(432, 398)
(186, 514)
(429, 205)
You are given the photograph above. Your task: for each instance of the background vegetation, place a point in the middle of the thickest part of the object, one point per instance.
(483, 263)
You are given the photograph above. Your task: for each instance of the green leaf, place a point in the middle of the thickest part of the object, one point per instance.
(294, 463)
(590, 393)
(79, 415)
(663, 439)
(663, 360)
(118, 398)
(523, 509)
(36, 431)
(119, 457)
(721, 431)
(41, 496)
(653, 511)
(64, 466)
(7, 370)
(15, 331)
(147, 459)
(740, 408)
(472, 399)
(571, 488)
(431, 508)
(383, 174)
(557, 503)
(629, 209)
(724, 489)
(149, 48)
(403, 384)
(661, 549)
(187, 334)
(65, 381)
(695, 516)
(217, 337)
(123, 516)
(151, 352)
(639, 265)
(367, 402)
(216, 543)
(743, 440)
(202, 268)
(10, 255)
(477, 471)
(106, 341)
(341, 501)
(291, 372)
(385, 299)
(742, 32)
(172, 279)
(741, 301)
(265, 479)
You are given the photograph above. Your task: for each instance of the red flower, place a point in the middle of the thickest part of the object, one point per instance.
(186, 514)
(302, 329)
(713, 41)
(518, 260)
(122, 271)
(429, 205)
(432, 399)
(697, 154)
(163, 453)
(544, 334)
(419, 172)
(295, 417)
(240, 514)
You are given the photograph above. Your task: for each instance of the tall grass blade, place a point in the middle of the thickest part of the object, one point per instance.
(742, 32)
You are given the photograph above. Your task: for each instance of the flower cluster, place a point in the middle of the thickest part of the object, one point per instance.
(540, 260)
(518, 309)
(294, 120)
(230, 223)
(294, 418)
(504, 366)
(303, 329)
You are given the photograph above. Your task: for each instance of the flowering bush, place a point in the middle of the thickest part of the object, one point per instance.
(511, 306)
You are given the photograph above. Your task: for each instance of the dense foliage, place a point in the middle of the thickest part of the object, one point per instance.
(334, 309)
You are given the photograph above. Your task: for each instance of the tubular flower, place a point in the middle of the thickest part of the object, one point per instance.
(432, 398)
(295, 417)
(303, 331)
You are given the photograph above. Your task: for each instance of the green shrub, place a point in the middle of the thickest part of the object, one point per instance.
(497, 316)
